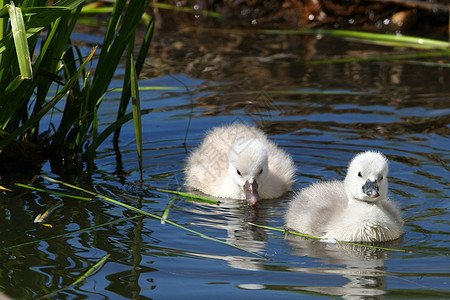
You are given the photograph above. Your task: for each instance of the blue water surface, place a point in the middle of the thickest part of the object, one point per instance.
(341, 109)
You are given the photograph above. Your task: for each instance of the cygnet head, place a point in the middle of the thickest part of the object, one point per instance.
(366, 178)
(248, 166)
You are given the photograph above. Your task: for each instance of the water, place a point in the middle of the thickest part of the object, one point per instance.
(320, 114)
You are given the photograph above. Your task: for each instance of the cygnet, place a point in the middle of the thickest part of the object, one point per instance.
(238, 161)
(355, 210)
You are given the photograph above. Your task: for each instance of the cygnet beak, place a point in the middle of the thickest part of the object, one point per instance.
(370, 188)
(251, 192)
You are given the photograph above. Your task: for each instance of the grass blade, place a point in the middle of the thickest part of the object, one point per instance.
(137, 118)
(20, 41)
(191, 196)
(318, 238)
(75, 233)
(149, 88)
(26, 125)
(82, 277)
(205, 13)
(52, 192)
(91, 270)
(166, 211)
(370, 37)
(126, 90)
(112, 50)
(111, 128)
(142, 212)
(391, 40)
(388, 39)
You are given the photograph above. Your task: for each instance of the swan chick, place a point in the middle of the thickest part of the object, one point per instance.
(238, 161)
(354, 210)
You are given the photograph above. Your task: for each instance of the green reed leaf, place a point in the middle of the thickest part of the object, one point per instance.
(82, 277)
(186, 10)
(91, 270)
(75, 233)
(20, 41)
(149, 88)
(286, 232)
(191, 196)
(384, 39)
(137, 117)
(142, 212)
(166, 211)
(52, 192)
(111, 128)
(38, 116)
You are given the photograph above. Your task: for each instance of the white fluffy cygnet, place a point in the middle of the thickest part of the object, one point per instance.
(238, 161)
(355, 210)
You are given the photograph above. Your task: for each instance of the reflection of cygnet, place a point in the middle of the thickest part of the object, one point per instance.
(238, 161)
(357, 209)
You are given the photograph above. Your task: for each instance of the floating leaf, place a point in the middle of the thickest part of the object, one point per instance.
(41, 217)
(5, 189)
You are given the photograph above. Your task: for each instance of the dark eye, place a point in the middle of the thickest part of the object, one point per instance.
(238, 172)
(359, 174)
(260, 172)
(381, 178)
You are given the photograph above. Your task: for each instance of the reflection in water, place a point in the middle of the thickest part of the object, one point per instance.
(234, 216)
(241, 234)
(364, 269)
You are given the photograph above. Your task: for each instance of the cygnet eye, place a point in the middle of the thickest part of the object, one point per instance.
(260, 172)
(238, 172)
(359, 174)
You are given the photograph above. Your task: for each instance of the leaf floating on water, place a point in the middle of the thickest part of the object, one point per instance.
(42, 216)
(2, 188)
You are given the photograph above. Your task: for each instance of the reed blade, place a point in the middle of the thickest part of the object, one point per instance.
(20, 41)
(137, 117)
(142, 212)
(286, 232)
(191, 196)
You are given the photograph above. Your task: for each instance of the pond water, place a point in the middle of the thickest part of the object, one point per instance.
(321, 114)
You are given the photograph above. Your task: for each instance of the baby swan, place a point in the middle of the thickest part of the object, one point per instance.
(238, 161)
(355, 210)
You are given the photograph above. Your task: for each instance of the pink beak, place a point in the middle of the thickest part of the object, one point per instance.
(251, 192)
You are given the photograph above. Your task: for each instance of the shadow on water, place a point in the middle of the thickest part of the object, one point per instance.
(321, 114)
